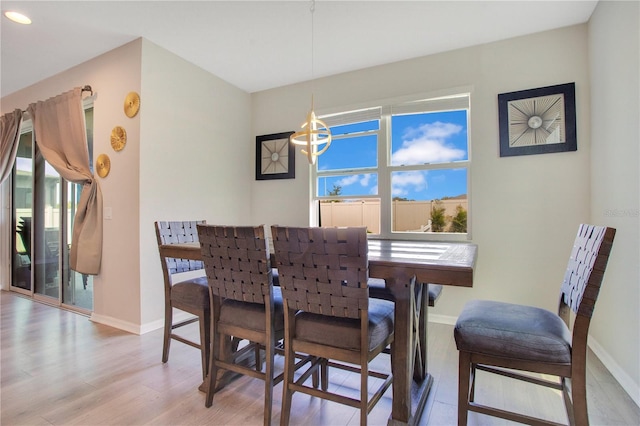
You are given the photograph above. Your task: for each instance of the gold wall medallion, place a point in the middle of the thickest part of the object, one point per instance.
(118, 138)
(103, 165)
(131, 104)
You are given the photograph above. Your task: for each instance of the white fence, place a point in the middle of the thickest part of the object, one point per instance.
(406, 215)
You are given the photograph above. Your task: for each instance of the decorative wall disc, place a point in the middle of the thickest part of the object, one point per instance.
(118, 138)
(103, 165)
(131, 104)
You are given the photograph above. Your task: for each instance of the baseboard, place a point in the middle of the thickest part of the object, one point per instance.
(137, 328)
(618, 373)
(116, 323)
(152, 326)
(442, 319)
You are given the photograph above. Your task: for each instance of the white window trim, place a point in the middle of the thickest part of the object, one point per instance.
(384, 168)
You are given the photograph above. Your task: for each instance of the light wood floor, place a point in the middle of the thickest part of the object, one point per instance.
(59, 368)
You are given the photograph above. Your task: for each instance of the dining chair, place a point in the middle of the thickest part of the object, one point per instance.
(244, 306)
(508, 339)
(328, 312)
(189, 294)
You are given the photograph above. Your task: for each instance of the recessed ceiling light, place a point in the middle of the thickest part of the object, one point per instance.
(17, 17)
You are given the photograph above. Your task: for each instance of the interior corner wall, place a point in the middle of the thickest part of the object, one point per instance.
(111, 75)
(195, 159)
(615, 182)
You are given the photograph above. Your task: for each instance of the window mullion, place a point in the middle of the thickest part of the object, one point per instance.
(384, 174)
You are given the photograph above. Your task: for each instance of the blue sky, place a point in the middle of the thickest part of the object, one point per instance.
(416, 139)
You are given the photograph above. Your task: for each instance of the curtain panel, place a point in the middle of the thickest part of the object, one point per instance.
(60, 133)
(10, 135)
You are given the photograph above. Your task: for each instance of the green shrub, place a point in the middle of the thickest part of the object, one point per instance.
(437, 217)
(459, 221)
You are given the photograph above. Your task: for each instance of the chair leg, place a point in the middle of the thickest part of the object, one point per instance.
(364, 393)
(315, 379)
(472, 391)
(324, 374)
(287, 394)
(579, 395)
(256, 352)
(205, 340)
(216, 349)
(166, 343)
(464, 371)
(268, 382)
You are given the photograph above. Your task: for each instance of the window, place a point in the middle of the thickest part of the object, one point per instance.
(399, 168)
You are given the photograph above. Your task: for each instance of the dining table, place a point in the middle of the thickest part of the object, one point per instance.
(398, 262)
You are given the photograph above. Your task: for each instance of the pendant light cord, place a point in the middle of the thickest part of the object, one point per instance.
(312, 9)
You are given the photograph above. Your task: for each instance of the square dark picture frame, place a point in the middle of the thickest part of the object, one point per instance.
(275, 157)
(538, 121)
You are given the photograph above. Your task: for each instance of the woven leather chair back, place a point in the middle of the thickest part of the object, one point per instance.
(586, 267)
(323, 270)
(175, 233)
(236, 261)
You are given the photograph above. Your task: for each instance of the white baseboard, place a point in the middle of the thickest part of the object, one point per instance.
(442, 319)
(136, 328)
(618, 373)
(116, 323)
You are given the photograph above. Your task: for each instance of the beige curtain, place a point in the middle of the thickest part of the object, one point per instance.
(60, 133)
(9, 134)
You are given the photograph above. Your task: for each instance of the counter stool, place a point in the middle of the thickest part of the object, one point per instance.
(190, 295)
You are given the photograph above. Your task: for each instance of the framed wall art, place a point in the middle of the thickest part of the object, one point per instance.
(538, 121)
(275, 157)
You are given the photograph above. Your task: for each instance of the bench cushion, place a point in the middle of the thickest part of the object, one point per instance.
(251, 315)
(193, 292)
(513, 331)
(345, 332)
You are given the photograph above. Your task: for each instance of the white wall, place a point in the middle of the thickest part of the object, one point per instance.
(195, 158)
(614, 63)
(518, 205)
(524, 210)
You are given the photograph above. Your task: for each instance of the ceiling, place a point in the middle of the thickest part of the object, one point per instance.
(258, 45)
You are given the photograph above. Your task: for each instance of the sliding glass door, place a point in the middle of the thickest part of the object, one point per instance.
(22, 197)
(43, 210)
(45, 228)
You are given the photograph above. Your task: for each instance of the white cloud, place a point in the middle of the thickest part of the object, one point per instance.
(427, 144)
(349, 180)
(403, 182)
(363, 180)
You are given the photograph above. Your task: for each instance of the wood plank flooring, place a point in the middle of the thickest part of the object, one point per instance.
(59, 368)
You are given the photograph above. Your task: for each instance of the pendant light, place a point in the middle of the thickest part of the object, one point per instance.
(314, 135)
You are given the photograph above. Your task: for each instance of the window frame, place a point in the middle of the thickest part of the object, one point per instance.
(385, 169)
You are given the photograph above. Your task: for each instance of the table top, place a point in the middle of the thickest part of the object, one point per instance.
(450, 263)
(423, 252)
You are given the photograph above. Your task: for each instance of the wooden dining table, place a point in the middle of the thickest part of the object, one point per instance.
(397, 262)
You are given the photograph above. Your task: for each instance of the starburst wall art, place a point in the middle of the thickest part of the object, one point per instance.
(538, 121)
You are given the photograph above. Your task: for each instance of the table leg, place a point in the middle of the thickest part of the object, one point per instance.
(422, 298)
(409, 392)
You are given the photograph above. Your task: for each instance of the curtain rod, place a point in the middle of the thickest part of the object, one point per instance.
(85, 88)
